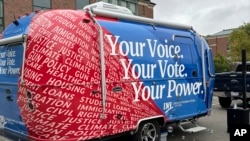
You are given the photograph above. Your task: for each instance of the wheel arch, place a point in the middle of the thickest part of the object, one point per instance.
(159, 119)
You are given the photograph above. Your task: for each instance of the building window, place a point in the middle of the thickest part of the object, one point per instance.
(132, 7)
(1, 16)
(41, 4)
(130, 4)
(124, 4)
(114, 2)
(228, 45)
(104, 0)
(81, 3)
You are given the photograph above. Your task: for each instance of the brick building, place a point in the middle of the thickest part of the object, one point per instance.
(219, 42)
(9, 9)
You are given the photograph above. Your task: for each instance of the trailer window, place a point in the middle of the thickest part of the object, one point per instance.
(11, 59)
(188, 55)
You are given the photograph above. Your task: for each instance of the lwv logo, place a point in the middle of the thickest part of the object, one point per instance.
(167, 106)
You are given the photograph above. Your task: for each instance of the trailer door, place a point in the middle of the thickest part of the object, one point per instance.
(188, 89)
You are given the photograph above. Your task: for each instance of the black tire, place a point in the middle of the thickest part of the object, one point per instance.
(225, 102)
(148, 131)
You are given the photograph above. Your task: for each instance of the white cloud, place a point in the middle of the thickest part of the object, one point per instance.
(207, 17)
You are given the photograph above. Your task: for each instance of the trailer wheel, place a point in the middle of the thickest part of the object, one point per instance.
(148, 131)
(225, 102)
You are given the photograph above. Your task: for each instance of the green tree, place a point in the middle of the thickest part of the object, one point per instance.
(221, 64)
(239, 39)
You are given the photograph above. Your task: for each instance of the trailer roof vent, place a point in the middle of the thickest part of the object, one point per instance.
(109, 7)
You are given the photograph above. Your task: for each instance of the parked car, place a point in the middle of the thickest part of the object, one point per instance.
(228, 85)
